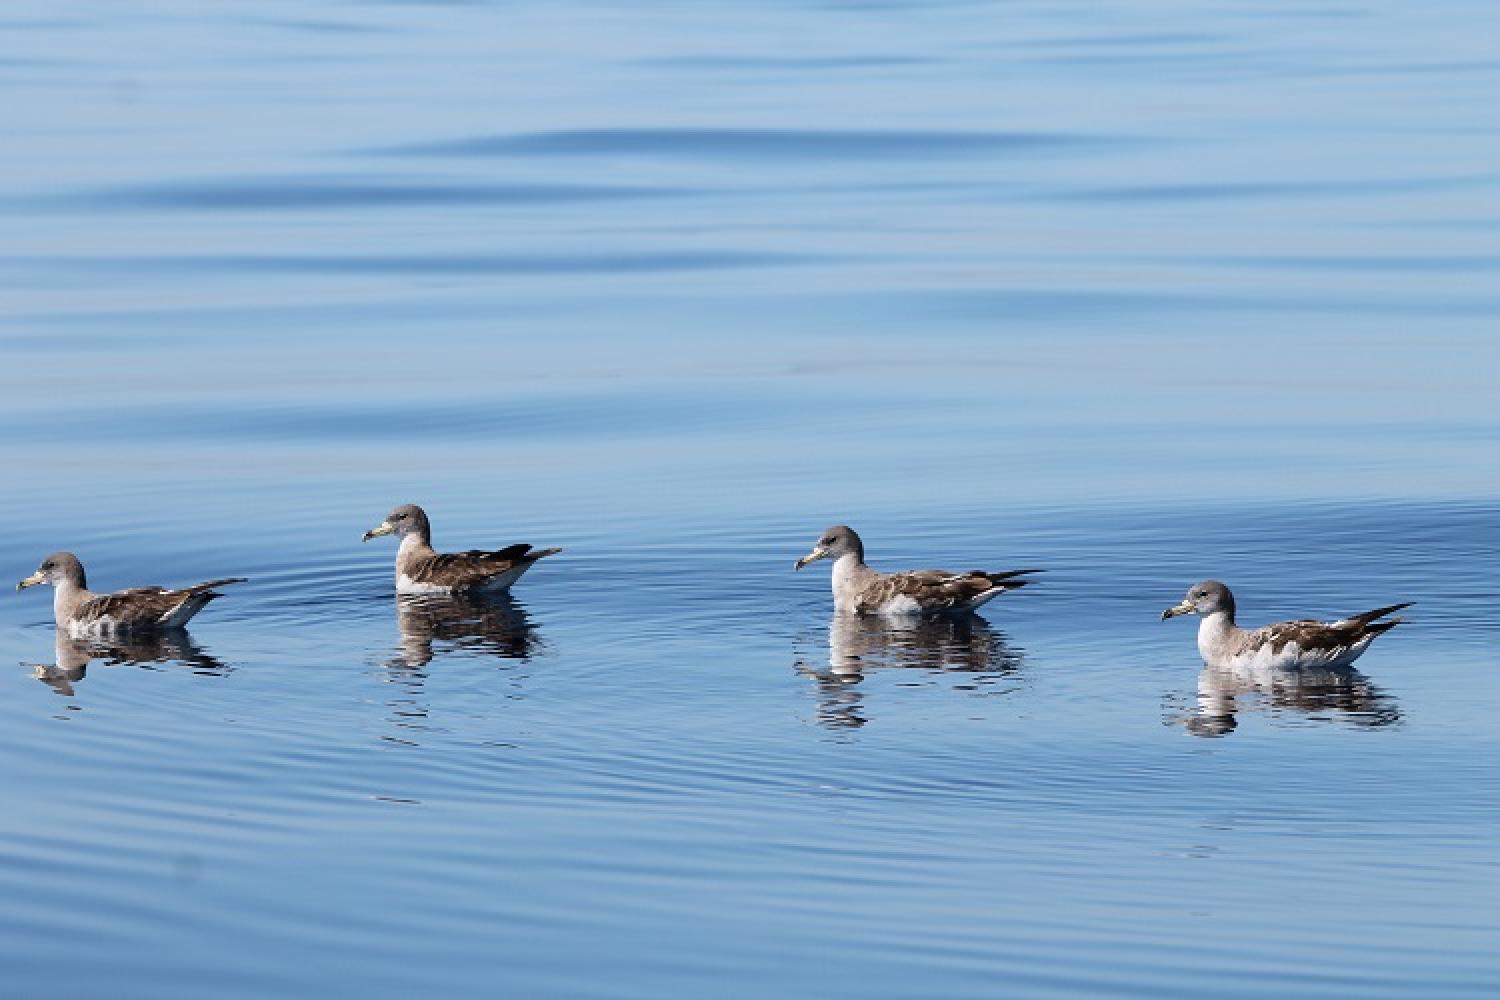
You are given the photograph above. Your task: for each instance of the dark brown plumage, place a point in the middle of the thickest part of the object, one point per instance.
(422, 570)
(147, 608)
(1308, 633)
(472, 570)
(938, 590)
(858, 588)
(1284, 645)
(139, 610)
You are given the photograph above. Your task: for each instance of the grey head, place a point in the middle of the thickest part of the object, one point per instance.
(56, 569)
(1204, 598)
(407, 519)
(837, 541)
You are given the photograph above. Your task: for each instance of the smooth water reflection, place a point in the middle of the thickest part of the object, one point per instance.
(1306, 695)
(929, 646)
(478, 626)
(149, 651)
(450, 644)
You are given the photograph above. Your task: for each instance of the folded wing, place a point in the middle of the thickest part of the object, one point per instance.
(940, 590)
(475, 569)
(148, 608)
(1330, 639)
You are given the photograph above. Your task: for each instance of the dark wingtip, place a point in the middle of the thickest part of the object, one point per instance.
(1011, 578)
(1378, 613)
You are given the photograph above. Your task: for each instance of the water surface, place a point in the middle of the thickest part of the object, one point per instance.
(1137, 293)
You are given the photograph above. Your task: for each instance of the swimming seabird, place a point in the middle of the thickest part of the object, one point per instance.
(860, 589)
(421, 570)
(141, 609)
(1284, 645)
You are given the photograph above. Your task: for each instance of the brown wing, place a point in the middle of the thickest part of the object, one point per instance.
(137, 607)
(1306, 633)
(150, 607)
(940, 590)
(466, 570)
(1327, 636)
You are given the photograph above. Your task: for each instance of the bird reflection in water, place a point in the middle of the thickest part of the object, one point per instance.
(1307, 694)
(73, 656)
(959, 644)
(494, 626)
(440, 624)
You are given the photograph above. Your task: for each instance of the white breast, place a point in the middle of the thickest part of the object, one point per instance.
(1293, 657)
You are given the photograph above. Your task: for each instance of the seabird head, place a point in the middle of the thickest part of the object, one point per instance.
(1202, 599)
(55, 569)
(404, 520)
(835, 542)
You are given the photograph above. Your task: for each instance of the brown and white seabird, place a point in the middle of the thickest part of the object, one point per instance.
(858, 588)
(80, 612)
(1284, 645)
(421, 570)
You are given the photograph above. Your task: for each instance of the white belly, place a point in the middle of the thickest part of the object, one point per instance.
(1293, 657)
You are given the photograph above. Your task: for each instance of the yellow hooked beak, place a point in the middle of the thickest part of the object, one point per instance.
(812, 557)
(384, 529)
(31, 581)
(1184, 608)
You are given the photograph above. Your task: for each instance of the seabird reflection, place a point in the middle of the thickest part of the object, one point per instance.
(495, 626)
(1313, 693)
(73, 656)
(963, 644)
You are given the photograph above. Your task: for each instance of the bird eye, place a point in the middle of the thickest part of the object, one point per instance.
(825, 541)
(399, 517)
(47, 565)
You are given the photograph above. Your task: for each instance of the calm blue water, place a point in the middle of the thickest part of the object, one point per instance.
(1136, 292)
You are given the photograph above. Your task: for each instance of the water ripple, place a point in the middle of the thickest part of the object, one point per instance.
(298, 193)
(436, 264)
(736, 144)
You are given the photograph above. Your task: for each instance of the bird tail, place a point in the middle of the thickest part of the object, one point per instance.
(1368, 617)
(199, 588)
(1009, 579)
(1370, 631)
(542, 553)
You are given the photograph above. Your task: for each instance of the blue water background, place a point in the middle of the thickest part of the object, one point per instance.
(1136, 292)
